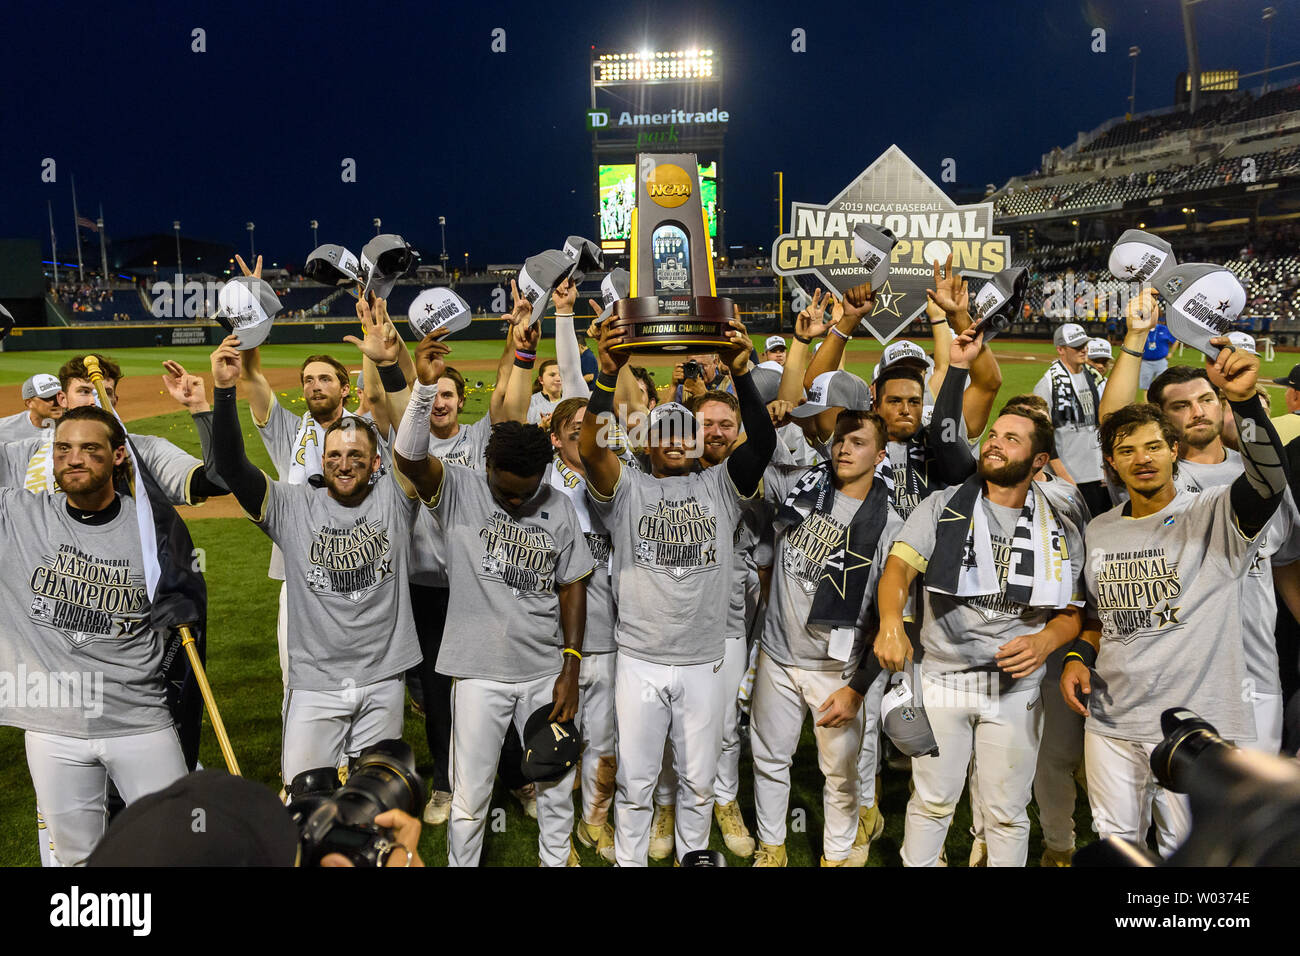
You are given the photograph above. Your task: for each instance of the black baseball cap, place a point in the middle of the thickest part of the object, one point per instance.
(1292, 380)
(209, 818)
(551, 747)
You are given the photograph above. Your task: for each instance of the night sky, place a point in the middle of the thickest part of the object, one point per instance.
(256, 127)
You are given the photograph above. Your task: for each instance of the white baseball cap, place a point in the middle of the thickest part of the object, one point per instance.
(774, 342)
(1100, 349)
(1243, 341)
(245, 307)
(904, 352)
(1071, 335)
(41, 385)
(1204, 300)
(438, 308)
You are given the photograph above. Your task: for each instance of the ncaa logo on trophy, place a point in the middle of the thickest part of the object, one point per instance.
(672, 304)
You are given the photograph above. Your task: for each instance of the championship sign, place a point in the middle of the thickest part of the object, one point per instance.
(893, 194)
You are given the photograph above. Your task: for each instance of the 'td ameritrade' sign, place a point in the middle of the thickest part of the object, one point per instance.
(603, 119)
(894, 194)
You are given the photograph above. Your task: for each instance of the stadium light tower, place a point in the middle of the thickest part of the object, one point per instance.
(252, 249)
(1267, 17)
(176, 224)
(377, 223)
(1133, 52)
(442, 224)
(314, 226)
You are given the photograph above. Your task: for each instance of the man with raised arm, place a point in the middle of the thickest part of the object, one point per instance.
(672, 532)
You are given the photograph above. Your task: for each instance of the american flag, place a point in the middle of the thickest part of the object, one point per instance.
(87, 224)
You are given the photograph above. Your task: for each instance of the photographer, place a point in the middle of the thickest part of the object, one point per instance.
(697, 375)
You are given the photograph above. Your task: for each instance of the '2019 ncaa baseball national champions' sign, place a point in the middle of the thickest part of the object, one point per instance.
(892, 193)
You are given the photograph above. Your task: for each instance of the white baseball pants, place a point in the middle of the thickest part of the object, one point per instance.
(869, 754)
(735, 662)
(782, 695)
(596, 722)
(70, 775)
(735, 665)
(323, 727)
(481, 710)
(1124, 794)
(1059, 756)
(680, 703)
(969, 716)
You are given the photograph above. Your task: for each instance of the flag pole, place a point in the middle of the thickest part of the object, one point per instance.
(54, 243)
(76, 231)
(103, 249)
(187, 637)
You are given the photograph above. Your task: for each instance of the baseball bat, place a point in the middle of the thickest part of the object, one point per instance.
(187, 638)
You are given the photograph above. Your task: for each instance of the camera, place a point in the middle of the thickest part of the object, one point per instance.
(1245, 804)
(341, 819)
(692, 369)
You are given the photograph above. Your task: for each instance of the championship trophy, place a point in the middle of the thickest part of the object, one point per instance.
(672, 305)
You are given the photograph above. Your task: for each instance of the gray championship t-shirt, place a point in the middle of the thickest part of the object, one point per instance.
(19, 426)
(601, 609)
(1165, 588)
(965, 633)
(539, 405)
(349, 607)
(503, 611)
(1259, 600)
(673, 551)
(467, 447)
(1077, 446)
(30, 464)
(801, 554)
(78, 655)
(287, 443)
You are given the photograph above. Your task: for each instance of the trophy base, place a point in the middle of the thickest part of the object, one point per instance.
(701, 326)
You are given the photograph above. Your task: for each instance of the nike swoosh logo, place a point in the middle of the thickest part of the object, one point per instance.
(717, 667)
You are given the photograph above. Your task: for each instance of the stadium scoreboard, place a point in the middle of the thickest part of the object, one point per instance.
(653, 101)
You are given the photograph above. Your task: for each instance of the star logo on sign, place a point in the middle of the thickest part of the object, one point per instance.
(1167, 615)
(887, 301)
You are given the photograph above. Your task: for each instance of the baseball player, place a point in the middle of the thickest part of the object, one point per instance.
(1060, 748)
(1000, 594)
(346, 544)
(774, 350)
(42, 408)
(673, 533)
(452, 442)
(834, 527)
(78, 625)
(1070, 389)
(717, 415)
(518, 564)
(596, 672)
(1194, 407)
(1165, 611)
(29, 463)
(1098, 356)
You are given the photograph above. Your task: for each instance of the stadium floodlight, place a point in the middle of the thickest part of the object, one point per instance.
(252, 249)
(656, 66)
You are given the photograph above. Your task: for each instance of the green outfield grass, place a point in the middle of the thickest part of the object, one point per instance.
(245, 673)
